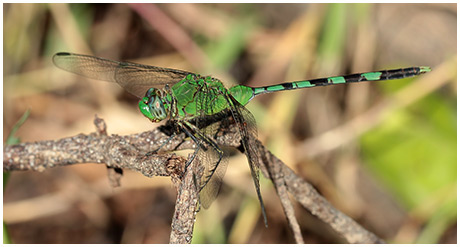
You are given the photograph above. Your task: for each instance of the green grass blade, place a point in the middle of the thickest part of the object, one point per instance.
(11, 140)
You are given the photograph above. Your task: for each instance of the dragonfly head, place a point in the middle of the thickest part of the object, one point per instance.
(153, 106)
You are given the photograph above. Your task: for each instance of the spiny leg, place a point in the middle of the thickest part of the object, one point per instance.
(210, 142)
(189, 161)
(161, 146)
(198, 145)
(213, 160)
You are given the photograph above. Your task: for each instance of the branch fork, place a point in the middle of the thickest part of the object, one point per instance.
(129, 152)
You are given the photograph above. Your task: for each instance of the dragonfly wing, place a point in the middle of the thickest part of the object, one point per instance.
(134, 78)
(138, 78)
(213, 173)
(213, 158)
(248, 131)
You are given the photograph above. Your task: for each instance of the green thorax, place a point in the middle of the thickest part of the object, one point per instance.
(196, 95)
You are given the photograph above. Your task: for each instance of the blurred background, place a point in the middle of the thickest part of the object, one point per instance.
(383, 153)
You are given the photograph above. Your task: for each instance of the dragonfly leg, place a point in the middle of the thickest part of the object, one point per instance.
(210, 142)
(162, 145)
(198, 146)
(189, 161)
(243, 118)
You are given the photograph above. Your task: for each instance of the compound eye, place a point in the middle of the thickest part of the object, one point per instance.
(150, 92)
(152, 105)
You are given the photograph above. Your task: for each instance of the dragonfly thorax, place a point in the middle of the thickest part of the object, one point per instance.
(153, 106)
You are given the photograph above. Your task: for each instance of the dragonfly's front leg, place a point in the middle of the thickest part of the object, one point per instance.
(198, 145)
(213, 145)
(150, 153)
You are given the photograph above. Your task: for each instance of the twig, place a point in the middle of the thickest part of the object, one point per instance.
(276, 175)
(311, 200)
(129, 152)
(185, 210)
(114, 174)
(114, 151)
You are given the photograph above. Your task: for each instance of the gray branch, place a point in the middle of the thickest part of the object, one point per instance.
(130, 152)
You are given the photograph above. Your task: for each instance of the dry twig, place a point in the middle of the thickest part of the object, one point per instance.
(129, 152)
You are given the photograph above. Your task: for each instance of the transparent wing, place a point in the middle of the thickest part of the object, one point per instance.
(213, 158)
(215, 167)
(134, 78)
(248, 131)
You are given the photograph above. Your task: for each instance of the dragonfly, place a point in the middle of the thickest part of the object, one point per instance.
(187, 98)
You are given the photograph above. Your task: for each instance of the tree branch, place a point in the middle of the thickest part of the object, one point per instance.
(311, 200)
(130, 152)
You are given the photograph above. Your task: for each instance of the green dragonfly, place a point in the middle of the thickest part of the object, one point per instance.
(187, 98)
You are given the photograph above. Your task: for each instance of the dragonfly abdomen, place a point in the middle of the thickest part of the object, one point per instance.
(382, 75)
